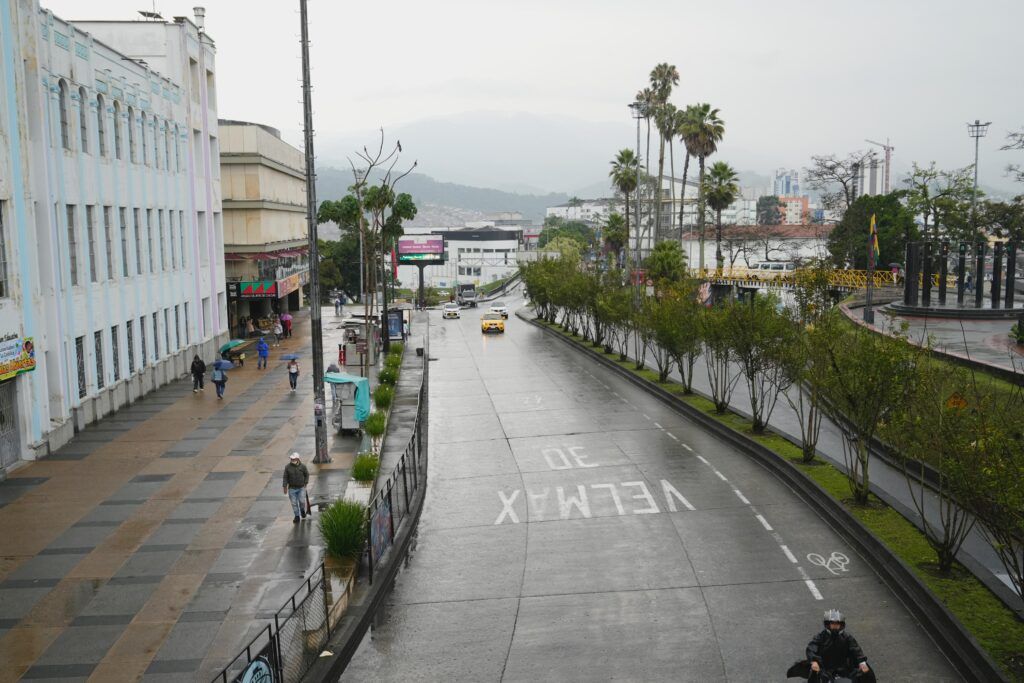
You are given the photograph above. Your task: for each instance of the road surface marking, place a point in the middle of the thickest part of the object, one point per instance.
(810, 584)
(658, 425)
(722, 477)
(836, 563)
(789, 555)
(687, 448)
(673, 436)
(646, 416)
(764, 522)
(741, 496)
(703, 460)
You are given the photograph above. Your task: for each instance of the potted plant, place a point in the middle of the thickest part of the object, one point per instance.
(383, 395)
(375, 425)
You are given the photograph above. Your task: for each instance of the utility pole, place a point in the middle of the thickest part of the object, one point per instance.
(886, 185)
(315, 326)
(976, 130)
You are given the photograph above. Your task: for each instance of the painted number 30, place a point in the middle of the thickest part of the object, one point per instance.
(558, 460)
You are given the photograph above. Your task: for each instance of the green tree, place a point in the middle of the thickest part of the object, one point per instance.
(1015, 141)
(666, 262)
(769, 210)
(862, 378)
(848, 242)
(615, 236)
(702, 131)
(680, 336)
(566, 247)
(1003, 219)
(624, 176)
(716, 337)
(579, 231)
(942, 199)
(663, 78)
(721, 191)
(685, 118)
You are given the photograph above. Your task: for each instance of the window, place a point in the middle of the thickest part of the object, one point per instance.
(142, 341)
(188, 336)
(138, 241)
(206, 314)
(177, 151)
(167, 148)
(214, 156)
(181, 238)
(83, 121)
(129, 327)
(170, 240)
(98, 338)
(204, 254)
(177, 328)
(123, 215)
(108, 238)
(156, 338)
(133, 147)
(156, 143)
(90, 237)
(117, 130)
(62, 103)
(3, 255)
(145, 147)
(167, 330)
(193, 74)
(72, 244)
(80, 359)
(163, 244)
(149, 237)
(101, 126)
(115, 352)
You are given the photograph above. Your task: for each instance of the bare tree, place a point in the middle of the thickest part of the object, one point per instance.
(836, 178)
(1015, 140)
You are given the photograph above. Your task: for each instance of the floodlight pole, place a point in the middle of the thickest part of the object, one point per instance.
(315, 326)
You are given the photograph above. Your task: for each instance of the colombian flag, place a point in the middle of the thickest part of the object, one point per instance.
(874, 240)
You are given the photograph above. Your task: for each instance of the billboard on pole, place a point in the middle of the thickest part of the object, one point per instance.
(425, 250)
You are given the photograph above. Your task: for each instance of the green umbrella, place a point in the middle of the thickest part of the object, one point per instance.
(231, 344)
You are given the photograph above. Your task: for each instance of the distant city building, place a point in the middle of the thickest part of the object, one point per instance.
(111, 245)
(787, 183)
(266, 243)
(795, 210)
(588, 210)
(472, 256)
(745, 245)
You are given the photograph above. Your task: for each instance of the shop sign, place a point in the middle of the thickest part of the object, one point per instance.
(288, 285)
(260, 289)
(17, 355)
(304, 277)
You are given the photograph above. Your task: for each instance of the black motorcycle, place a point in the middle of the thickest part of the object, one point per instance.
(802, 669)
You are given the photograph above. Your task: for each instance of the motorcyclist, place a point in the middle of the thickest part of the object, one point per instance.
(834, 652)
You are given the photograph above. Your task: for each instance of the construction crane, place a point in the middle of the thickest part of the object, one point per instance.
(888, 159)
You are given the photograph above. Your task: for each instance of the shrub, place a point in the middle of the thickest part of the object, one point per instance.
(1017, 332)
(382, 396)
(375, 424)
(392, 362)
(387, 376)
(343, 526)
(365, 467)
(396, 349)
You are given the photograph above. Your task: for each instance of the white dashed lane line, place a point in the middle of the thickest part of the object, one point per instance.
(740, 495)
(704, 460)
(789, 555)
(673, 436)
(720, 475)
(687, 448)
(646, 416)
(764, 522)
(658, 425)
(810, 584)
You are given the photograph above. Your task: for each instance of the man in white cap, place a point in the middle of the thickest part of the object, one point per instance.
(296, 476)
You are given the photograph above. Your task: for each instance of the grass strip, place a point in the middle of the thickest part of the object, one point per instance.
(993, 625)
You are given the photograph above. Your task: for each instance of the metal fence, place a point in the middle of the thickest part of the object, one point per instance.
(393, 501)
(285, 650)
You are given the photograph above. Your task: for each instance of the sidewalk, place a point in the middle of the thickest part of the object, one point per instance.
(158, 541)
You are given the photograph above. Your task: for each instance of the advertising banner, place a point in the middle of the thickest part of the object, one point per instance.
(380, 531)
(288, 285)
(17, 355)
(422, 249)
(260, 289)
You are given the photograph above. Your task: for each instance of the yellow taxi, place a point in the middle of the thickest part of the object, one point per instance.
(492, 322)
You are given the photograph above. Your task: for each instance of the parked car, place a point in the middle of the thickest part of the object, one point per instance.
(492, 322)
(451, 311)
(500, 308)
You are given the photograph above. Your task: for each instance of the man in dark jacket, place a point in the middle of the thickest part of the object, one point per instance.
(834, 651)
(296, 476)
(198, 370)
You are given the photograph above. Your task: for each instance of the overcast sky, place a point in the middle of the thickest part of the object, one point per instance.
(791, 77)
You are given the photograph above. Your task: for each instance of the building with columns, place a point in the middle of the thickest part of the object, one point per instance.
(111, 247)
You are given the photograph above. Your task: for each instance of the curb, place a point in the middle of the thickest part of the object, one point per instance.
(963, 651)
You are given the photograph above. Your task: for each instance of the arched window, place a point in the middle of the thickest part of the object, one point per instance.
(117, 129)
(62, 100)
(133, 147)
(145, 149)
(101, 126)
(83, 121)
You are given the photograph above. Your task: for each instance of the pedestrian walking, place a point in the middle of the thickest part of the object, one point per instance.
(969, 283)
(250, 329)
(220, 380)
(198, 370)
(337, 306)
(405, 331)
(296, 476)
(278, 332)
(286, 321)
(293, 373)
(263, 351)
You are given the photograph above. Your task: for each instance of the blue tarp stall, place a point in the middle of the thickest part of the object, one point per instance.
(351, 405)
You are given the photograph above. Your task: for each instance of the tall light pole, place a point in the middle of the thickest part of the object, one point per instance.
(976, 130)
(315, 326)
(637, 111)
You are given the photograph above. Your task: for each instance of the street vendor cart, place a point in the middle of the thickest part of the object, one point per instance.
(350, 404)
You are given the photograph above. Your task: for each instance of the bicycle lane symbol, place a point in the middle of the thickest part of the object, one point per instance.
(837, 563)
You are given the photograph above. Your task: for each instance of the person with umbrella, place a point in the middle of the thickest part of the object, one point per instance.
(263, 353)
(286, 321)
(220, 376)
(198, 370)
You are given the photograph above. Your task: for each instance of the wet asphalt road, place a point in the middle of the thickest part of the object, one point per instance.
(576, 529)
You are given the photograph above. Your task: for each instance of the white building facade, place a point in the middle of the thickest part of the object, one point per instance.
(112, 245)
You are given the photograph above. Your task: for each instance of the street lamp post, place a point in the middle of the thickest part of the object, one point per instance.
(315, 326)
(637, 111)
(976, 130)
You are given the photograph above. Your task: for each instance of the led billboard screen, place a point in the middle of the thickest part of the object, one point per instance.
(421, 249)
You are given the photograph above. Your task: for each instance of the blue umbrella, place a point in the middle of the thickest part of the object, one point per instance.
(223, 365)
(289, 356)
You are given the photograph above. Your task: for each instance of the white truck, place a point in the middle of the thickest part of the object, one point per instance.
(467, 296)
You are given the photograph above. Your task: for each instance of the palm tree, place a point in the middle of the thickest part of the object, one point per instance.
(646, 104)
(721, 191)
(663, 77)
(664, 119)
(616, 236)
(682, 117)
(623, 175)
(702, 132)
